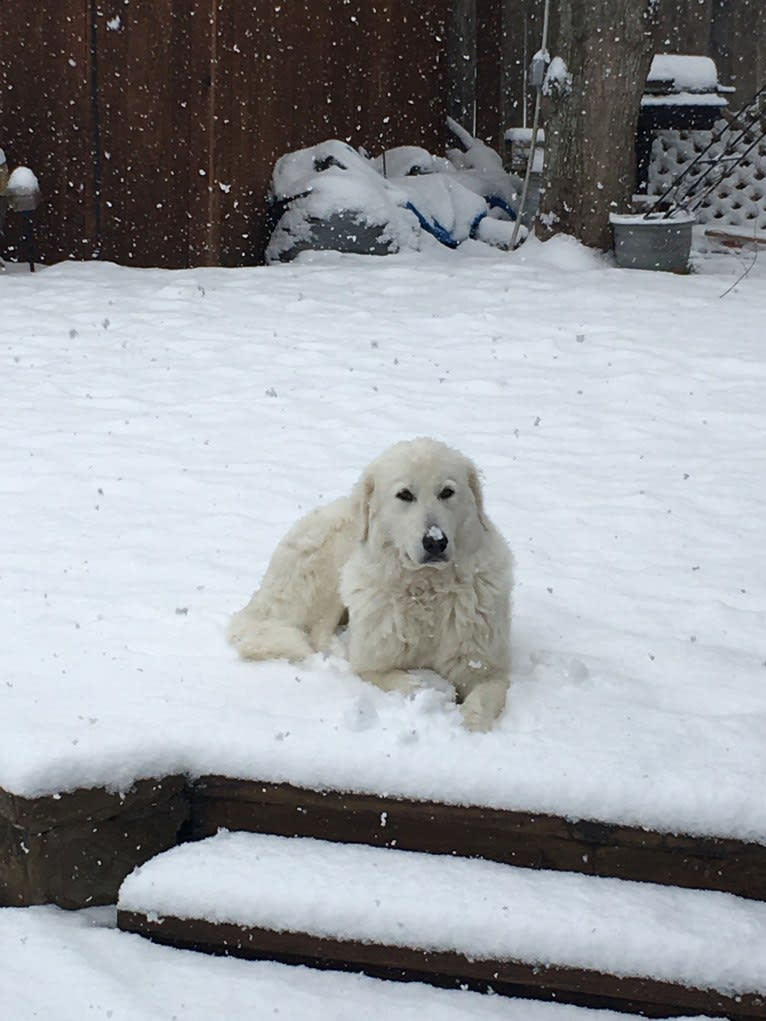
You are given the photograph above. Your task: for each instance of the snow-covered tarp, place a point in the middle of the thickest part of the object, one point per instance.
(160, 431)
(331, 196)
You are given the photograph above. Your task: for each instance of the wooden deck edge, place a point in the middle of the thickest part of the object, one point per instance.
(635, 995)
(82, 862)
(525, 839)
(38, 814)
(511, 837)
(732, 238)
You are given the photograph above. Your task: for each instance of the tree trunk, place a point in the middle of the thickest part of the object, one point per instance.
(590, 127)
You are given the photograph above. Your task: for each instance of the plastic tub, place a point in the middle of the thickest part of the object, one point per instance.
(653, 243)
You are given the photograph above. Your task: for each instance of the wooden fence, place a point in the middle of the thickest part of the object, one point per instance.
(153, 125)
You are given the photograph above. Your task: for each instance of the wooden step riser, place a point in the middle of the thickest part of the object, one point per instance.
(512, 838)
(452, 970)
(130, 828)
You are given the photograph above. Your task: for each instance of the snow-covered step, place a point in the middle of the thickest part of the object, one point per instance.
(580, 939)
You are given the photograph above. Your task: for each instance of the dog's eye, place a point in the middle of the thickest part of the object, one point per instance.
(446, 493)
(406, 495)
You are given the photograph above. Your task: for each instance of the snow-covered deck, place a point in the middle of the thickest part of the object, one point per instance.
(161, 430)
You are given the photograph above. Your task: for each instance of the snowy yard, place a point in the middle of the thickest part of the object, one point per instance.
(160, 430)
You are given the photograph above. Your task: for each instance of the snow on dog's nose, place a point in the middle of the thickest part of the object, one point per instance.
(434, 543)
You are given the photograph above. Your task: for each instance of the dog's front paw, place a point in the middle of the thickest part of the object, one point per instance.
(483, 705)
(392, 680)
(476, 717)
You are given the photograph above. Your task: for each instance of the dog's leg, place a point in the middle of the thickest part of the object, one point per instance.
(484, 703)
(390, 680)
(323, 630)
(268, 639)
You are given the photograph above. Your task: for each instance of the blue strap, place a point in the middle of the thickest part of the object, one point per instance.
(498, 202)
(434, 227)
(475, 225)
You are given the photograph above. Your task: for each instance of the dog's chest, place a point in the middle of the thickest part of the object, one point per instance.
(431, 612)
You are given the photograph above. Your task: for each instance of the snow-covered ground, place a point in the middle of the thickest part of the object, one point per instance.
(160, 430)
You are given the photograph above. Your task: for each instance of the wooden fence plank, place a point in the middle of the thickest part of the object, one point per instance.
(45, 116)
(143, 110)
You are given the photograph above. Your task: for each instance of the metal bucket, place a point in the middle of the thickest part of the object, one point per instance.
(656, 243)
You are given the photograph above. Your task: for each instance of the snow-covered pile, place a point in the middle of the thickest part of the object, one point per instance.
(334, 197)
(161, 430)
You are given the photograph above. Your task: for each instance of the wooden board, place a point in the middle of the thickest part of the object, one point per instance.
(75, 849)
(732, 239)
(515, 838)
(85, 803)
(513, 978)
(60, 828)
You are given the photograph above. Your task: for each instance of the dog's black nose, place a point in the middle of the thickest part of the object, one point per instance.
(435, 542)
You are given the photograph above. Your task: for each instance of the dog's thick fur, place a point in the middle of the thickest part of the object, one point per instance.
(421, 571)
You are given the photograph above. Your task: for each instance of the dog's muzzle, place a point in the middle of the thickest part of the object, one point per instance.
(435, 544)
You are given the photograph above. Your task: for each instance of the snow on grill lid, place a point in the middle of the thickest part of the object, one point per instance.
(688, 73)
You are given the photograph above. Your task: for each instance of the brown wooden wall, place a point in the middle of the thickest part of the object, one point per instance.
(154, 135)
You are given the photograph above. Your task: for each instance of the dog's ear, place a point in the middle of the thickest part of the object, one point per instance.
(360, 505)
(474, 484)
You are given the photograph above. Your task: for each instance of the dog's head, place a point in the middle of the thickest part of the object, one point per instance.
(422, 500)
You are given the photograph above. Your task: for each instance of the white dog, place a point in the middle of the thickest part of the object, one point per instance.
(422, 573)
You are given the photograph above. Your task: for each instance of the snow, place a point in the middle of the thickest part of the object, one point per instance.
(161, 430)
(689, 72)
(636, 219)
(477, 908)
(558, 79)
(524, 135)
(684, 99)
(75, 965)
(694, 81)
(22, 181)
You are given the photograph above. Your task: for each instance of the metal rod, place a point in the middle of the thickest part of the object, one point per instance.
(535, 123)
